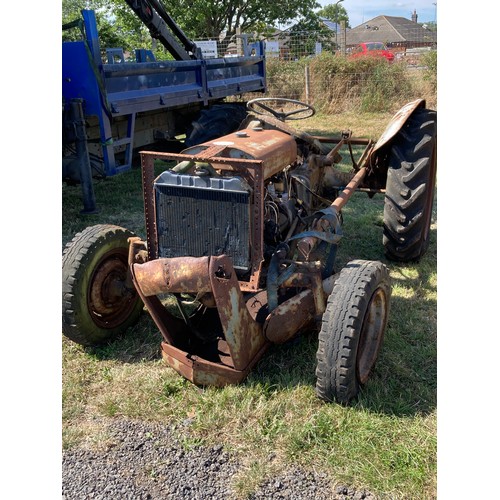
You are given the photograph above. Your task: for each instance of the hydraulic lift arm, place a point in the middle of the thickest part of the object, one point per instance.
(163, 27)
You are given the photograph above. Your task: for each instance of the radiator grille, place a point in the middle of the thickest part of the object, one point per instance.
(203, 216)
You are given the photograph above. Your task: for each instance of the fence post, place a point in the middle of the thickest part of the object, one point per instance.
(308, 85)
(342, 38)
(239, 44)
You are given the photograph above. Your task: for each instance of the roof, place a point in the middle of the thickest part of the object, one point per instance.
(330, 24)
(389, 29)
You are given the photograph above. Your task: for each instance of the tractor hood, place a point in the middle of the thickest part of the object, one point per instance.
(274, 148)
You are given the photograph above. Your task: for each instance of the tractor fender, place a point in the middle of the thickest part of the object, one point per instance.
(397, 122)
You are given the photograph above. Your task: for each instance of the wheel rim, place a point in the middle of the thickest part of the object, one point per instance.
(371, 335)
(110, 301)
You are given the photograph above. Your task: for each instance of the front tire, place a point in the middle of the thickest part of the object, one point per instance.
(352, 330)
(98, 300)
(411, 180)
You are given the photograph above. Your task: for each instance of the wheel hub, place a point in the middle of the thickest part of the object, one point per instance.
(371, 335)
(108, 296)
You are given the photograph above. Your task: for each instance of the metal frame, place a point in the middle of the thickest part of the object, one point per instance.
(248, 321)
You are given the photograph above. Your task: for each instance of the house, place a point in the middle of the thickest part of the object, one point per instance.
(403, 36)
(398, 33)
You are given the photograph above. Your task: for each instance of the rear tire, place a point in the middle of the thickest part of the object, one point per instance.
(352, 330)
(98, 300)
(215, 122)
(411, 180)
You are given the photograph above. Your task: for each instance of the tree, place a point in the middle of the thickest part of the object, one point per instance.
(71, 8)
(201, 19)
(210, 19)
(335, 13)
(116, 23)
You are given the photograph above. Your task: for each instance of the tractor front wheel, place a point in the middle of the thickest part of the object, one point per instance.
(352, 330)
(99, 300)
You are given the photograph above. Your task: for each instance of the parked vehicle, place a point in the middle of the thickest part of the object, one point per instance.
(241, 240)
(112, 106)
(372, 49)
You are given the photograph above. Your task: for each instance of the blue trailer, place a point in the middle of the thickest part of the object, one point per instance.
(127, 105)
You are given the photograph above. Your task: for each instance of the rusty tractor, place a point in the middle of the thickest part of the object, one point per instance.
(242, 234)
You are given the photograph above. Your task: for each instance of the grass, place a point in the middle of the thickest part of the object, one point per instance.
(384, 442)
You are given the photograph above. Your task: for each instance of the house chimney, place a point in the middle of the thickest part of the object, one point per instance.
(414, 16)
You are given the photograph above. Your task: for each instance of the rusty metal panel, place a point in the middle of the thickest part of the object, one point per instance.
(243, 335)
(284, 322)
(172, 329)
(175, 275)
(147, 163)
(206, 373)
(397, 122)
(276, 149)
(301, 311)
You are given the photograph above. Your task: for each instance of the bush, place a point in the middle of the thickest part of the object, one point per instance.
(339, 84)
(285, 78)
(430, 62)
(365, 85)
(386, 85)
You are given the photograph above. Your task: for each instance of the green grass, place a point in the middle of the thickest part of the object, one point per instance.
(384, 442)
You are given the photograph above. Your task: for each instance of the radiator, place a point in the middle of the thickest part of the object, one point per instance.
(199, 216)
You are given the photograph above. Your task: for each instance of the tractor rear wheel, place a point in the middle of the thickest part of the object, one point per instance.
(99, 300)
(214, 122)
(411, 180)
(352, 330)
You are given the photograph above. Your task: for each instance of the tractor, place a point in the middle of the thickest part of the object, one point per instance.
(241, 240)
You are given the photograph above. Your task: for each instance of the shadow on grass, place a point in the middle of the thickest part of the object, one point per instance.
(138, 344)
(404, 379)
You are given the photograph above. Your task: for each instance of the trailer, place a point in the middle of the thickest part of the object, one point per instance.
(125, 105)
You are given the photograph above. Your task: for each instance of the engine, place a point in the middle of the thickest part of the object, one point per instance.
(241, 195)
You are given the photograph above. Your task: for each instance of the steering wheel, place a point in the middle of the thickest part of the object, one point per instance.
(260, 107)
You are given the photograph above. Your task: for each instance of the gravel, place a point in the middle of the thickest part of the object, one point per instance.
(146, 461)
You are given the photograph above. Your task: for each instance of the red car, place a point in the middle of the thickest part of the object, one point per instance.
(372, 49)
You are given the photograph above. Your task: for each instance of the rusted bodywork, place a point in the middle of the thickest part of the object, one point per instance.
(240, 312)
(397, 122)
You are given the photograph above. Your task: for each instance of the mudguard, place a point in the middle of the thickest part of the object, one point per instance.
(397, 122)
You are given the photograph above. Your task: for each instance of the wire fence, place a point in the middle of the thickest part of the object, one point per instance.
(336, 74)
(294, 45)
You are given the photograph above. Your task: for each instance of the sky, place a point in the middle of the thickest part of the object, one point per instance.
(361, 11)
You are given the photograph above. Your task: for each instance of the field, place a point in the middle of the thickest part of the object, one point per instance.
(384, 442)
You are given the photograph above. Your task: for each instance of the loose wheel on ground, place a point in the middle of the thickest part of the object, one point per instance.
(410, 188)
(352, 330)
(99, 300)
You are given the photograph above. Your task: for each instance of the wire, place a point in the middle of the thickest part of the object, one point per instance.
(324, 200)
